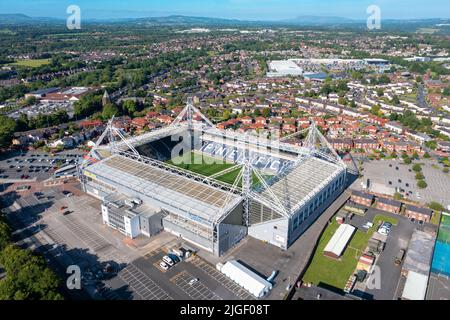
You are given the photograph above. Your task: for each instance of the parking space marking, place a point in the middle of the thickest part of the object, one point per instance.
(197, 291)
(84, 233)
(153, 253)
(142, 285)
(222, 279)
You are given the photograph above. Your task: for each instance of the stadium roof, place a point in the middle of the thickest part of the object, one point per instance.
(302, 182)
(172, 191)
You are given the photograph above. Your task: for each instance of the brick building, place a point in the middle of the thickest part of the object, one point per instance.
(388, 205)
(417, 213)
(362, 198)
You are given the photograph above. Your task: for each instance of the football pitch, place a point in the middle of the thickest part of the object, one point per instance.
(208, 166)
(32, 63)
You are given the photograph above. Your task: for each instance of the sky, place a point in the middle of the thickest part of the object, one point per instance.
(236, 9)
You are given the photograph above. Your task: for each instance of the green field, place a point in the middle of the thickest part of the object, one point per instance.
(32, 63)
(7, 32)
(208, 166)
(427, 30)
(336, 272)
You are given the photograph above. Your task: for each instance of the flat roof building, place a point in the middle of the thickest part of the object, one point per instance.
(418, 256)
(246, 278)
(125, 214)
(415, 286)
(338, 242)
(283, 68)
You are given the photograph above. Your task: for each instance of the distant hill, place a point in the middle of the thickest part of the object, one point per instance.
(24, 19)
(319, 21)
(189, 21)
(186, 20)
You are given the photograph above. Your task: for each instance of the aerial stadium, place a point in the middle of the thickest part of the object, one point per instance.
(212, 187)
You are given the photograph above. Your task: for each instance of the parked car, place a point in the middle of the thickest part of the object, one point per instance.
(168, 260)
(193, 281)
(399, 257)
(368, 225)
(163, 265)
(385, 228)
(174, 257)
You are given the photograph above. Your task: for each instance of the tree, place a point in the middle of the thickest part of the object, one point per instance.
(342, 101)
(226, 114)
(27, 276)
(356, 75)
(88, 105)
(436, 206)
(422, 184)
(398, 196)
(109, 110)
(22, 123)
(380, 92)
(5, 233)
(395, 100)
(266, 112)
(432, 144)
(417, 167)
(426, 155)
(419, 176)
(375, 110)
(31, 101)
(446, 91)
(129, 106)
(7, 128)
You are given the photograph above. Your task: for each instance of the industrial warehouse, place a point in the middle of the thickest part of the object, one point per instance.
(278, 189)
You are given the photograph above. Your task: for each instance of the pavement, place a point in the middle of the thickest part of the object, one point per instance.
(438, 287)
(34, 165)
(438, 182)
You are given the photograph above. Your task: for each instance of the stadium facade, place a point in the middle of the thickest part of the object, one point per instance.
(280, 189)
